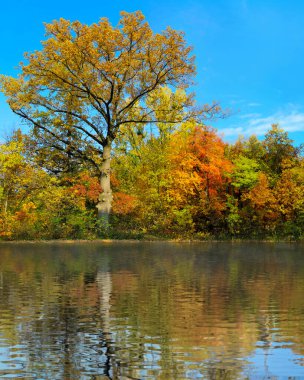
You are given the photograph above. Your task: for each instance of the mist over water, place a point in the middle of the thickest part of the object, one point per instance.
(134, 310)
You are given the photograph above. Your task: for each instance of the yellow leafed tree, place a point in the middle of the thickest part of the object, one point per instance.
(85, 82)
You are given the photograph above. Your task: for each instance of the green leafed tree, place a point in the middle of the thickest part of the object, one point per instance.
(279, 148)
(245, 173)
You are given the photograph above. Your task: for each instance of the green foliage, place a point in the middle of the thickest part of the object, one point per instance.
(279, 148)
(245, 173)
(233, 218)
(183, 221)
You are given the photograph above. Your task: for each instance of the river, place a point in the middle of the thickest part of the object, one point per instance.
(159, 310)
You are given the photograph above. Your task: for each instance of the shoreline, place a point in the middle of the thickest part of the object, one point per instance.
(137, 241)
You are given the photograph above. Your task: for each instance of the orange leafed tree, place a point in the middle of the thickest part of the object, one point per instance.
(263, 203)
(211, 163)
(199, 170)
(90, 80)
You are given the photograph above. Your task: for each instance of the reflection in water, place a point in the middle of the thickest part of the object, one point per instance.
(151, 311)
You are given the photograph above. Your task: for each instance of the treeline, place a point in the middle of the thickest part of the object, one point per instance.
(113, 127)
(178, 182)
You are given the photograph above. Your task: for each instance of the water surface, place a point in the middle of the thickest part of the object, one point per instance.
(151, 311)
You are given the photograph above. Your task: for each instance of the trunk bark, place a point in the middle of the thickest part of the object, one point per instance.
(104, 204)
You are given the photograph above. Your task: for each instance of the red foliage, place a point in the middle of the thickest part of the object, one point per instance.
(87, 187)
(123, 203)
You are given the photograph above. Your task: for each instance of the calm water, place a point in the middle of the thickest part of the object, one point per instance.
(151, 311)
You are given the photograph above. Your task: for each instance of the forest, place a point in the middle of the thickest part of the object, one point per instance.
(176, 183)
(116, 146)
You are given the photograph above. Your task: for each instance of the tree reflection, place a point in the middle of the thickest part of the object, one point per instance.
(153, 311)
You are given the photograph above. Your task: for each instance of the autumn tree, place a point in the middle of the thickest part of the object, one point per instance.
(89, 81)
(279, 148)
(20, 181)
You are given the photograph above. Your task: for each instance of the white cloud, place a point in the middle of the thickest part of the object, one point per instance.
(292, 121)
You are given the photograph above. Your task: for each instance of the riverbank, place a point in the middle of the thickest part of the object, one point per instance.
(148, 240)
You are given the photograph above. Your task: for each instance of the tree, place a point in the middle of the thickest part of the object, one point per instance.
(289, 192)
(89, 81)
(245, 173)
(278, 148)
(263, 205)
(20, 182)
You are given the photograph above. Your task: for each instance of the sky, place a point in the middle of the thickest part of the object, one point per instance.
(249, 53)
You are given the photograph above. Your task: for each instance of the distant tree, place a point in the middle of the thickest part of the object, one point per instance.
(279, 148)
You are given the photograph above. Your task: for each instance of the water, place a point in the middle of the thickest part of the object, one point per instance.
(152, 311)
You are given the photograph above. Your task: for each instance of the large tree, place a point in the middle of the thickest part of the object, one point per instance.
(90, 80)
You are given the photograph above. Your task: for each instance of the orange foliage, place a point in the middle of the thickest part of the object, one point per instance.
(87, 187)
(261, 195)
(209, 150)
(114, 180)
(290, 195)
(26, 212)
(123, 203)
(200, 167)
(21, 215)
(263, 201)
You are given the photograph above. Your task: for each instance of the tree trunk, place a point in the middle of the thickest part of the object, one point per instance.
(104, 204)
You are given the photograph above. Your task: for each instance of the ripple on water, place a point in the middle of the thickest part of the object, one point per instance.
(156, 312)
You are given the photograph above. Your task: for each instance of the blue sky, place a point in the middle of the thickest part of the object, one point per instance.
(249, 53)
